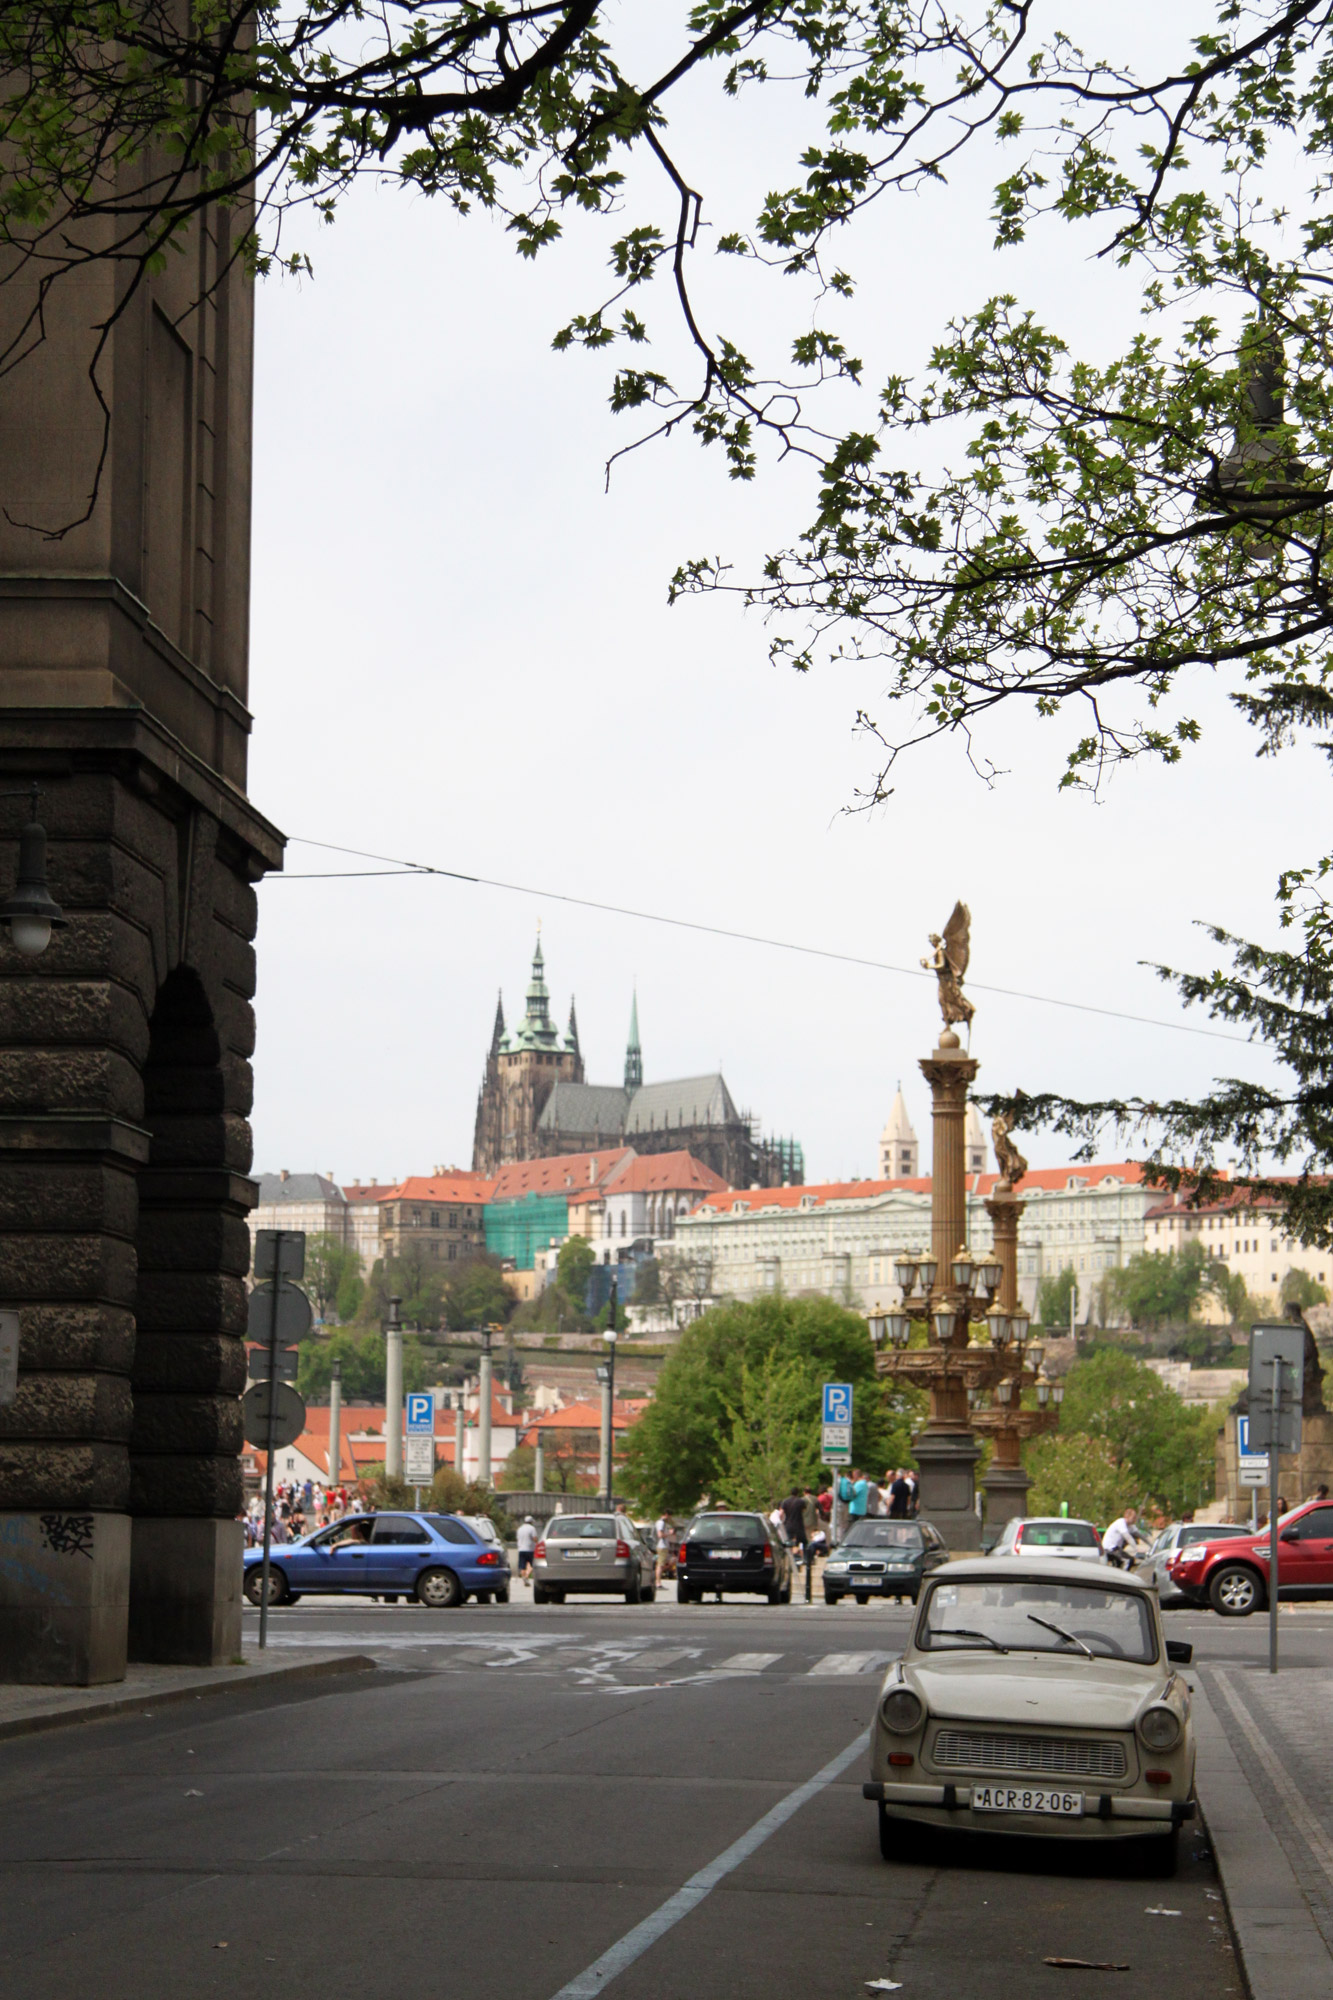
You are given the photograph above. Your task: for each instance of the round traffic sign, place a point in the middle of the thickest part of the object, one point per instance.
(288, 1414)
(294, 1314)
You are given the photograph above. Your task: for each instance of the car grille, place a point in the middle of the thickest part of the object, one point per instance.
(1053, 1756)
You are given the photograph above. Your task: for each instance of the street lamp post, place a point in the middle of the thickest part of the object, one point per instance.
(484, 1409)
(606, 1375)
(335, 1423)
(393, 1392)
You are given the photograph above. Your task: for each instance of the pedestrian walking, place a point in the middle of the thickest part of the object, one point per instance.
(900, 1496)
(527, 1542)
(853, 1491)
(665, 1530)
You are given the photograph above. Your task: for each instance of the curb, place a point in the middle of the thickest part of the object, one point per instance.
(1281, 1950)
(99, 1707)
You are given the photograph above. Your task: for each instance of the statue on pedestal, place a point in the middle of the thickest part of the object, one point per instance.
(948, 961)
(1008, 1159)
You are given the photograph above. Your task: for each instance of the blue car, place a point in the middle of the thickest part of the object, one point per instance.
(435, 1558)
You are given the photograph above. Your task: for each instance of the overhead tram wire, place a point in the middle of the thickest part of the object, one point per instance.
(394, 866)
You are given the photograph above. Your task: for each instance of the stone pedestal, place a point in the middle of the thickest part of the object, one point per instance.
(1006, 1488)
(64, 1580)
(185, 1591)
(947, 1467)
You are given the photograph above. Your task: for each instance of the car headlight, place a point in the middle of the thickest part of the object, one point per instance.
(835, 1566)
(1159, 1728)
(901, 1711)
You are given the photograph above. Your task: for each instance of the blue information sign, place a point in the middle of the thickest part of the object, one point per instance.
(421, 1413)
(837, 1402)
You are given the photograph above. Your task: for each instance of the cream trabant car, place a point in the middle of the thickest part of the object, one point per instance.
(1035, 1700)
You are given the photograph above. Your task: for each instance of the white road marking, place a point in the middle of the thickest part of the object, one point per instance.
(597, 1977)
(747, 1663)
(848, 1663)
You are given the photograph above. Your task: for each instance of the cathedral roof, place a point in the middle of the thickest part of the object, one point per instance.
(688, 1100)
(580, 1108)
(898, 1130)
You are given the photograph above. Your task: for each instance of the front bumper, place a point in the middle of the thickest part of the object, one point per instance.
(1106, 1815)
(884, 1583)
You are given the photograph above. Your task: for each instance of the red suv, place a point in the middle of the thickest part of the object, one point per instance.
(1232, 1575)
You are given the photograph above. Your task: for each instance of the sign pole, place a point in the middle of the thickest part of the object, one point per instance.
(272, 1419)
(1272, 1513)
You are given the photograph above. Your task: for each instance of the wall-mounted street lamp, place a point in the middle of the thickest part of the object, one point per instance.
(31, 913)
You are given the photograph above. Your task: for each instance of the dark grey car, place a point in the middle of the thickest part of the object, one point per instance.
(583, 1553)
(1169, 1543)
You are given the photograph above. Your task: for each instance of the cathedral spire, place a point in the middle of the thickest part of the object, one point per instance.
(498, 1035)
(633, 1053)
(537, 1030)
(572, 1035)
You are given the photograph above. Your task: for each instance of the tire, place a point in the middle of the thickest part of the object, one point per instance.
(684, 1594)
(786, 1592)
(278, 1591)
(1236, 1591)
(832, 1597)
(439, 1589)
(1160, 1855)
(539, 1594)
(485, 1596)
(892, 1837)
(392, 1597)
(861, 1596)
(502, 1596)
(633, 1595)
(650, 1594)
(775, 1595)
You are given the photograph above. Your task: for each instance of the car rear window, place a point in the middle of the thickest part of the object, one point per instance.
(884, 1535)
(1058, 1535)
(1201, 1532)
(449, 1530)
(582, 1527)
(727, 1528)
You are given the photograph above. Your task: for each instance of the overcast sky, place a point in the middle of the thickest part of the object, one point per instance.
(462, 654)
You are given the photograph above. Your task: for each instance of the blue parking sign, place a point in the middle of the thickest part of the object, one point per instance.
(837, 1402)
(421, 1413)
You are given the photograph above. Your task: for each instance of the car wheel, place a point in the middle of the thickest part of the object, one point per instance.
(632, 1594)
(439, 1589)
(254, 1585)
(684, 1595)
(502, 1596)
(1236, 1591)
(786, 1592)
(861, 1596)
(392, 1597)
(539, 1595)
(832, 1596)
(650, 1594)
(1160, 1855)
(775, 1595)
(484, 1596)
(892, 1836)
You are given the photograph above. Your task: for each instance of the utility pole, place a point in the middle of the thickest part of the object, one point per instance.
(276, 1281)
(607, 1377)
(484, 1410)
(539, 1467)
(335, 1423)
(393, 1393)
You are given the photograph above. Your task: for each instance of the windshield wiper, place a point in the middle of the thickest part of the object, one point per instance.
(1060, 1633)
(966, 1632)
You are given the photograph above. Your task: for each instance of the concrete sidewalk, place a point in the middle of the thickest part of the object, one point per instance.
(1265, 1785)
(24, 1710)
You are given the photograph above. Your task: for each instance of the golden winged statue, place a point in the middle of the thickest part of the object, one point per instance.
(948, 961)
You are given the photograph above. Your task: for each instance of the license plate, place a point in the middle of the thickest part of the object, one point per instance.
(581, 1555)
(1027, 1799)
(726, 1555)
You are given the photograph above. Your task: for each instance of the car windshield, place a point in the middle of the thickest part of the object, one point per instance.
(884, 1535)
(1071, 1619)
(583, 1527)
(1059, 1535)
(727, 1528)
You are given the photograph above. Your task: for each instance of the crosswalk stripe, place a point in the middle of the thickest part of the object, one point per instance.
(847, 1663)
(747, 1663)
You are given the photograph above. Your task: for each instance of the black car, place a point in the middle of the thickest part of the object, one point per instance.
(727, 1551)
(879, 1558)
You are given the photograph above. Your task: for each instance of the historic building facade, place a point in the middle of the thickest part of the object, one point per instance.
(535, 1103)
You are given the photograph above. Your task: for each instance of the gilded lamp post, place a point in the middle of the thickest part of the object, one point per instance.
(978, 1344)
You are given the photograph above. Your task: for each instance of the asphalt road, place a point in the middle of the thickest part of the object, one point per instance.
(514, 1793)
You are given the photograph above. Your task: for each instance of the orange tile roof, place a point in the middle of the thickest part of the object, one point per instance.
(372, 1191)
(1050, 1180)
(650, 1173)
(441, 1187)
(566, 1173)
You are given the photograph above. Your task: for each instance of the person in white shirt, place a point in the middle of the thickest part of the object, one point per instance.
(527, 1542)
(1122, 1543)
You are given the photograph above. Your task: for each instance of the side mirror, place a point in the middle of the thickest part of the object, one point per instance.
(1179, 1652)
(1289, 1535)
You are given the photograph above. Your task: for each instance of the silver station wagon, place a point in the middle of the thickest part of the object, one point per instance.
(592, 1552)
(1035, 1698)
